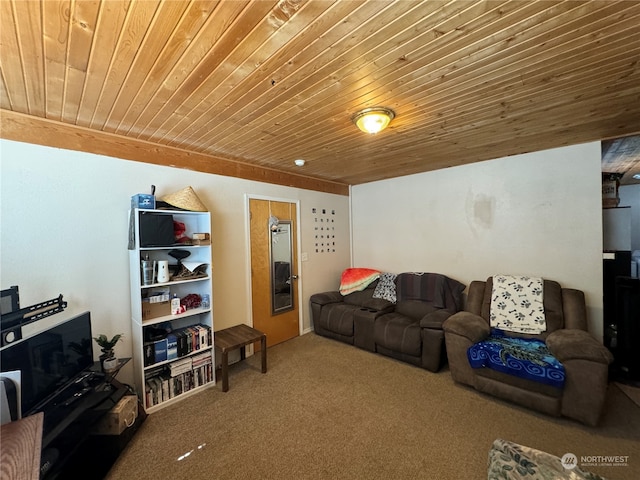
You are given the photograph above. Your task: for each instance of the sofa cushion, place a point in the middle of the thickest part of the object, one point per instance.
(437, 289)
(398, 333)
(359, 298)
(338, 318)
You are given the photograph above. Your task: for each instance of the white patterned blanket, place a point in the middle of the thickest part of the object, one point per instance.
(517, 304)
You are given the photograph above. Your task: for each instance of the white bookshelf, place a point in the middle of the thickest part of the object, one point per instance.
(202, 376)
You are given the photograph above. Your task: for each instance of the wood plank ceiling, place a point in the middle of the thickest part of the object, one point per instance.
(245, 87)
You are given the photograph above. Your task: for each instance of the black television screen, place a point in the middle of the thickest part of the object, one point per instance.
(50, 359)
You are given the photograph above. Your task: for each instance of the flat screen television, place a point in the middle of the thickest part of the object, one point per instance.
(49, 360)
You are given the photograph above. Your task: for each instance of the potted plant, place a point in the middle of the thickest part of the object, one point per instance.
(108, 358)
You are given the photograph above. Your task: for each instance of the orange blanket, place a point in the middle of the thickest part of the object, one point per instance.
(357, 279)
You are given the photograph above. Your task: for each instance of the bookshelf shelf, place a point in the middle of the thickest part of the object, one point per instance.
(165, 362)
(182, 396)
(173, 354)
(174, 282)
(168, 318)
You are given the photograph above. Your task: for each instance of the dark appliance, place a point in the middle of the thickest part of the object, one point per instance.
(627, 352)
(615, 264)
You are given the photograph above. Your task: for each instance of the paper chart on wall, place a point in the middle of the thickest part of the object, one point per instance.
(324, 230)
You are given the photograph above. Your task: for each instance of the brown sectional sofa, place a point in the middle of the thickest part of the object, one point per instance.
(409, 330)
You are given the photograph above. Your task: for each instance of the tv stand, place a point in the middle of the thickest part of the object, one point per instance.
(69, 418)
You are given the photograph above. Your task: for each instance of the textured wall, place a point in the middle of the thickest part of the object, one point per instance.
(534, 214)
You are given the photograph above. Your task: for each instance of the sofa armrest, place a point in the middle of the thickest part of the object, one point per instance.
(435, 319)
(468, 325)
(378, 305)
(326, 298)
(574, 344)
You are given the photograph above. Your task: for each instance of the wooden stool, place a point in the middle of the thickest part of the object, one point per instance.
(238, 337)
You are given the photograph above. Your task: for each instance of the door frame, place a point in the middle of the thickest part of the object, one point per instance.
(247, 225)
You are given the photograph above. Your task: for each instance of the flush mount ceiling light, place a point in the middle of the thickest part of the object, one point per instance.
(374, 119)
(299, 162)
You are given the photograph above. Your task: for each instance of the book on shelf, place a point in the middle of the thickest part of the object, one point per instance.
(180, 366)
(160, 350)
(203, 336)
(172, 346)
(149, 354)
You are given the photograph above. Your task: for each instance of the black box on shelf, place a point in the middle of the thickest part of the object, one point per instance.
(156, 230)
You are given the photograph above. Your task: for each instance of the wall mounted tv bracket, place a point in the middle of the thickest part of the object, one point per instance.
(13, 322)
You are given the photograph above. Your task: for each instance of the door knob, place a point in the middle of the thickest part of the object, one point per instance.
(294, 277)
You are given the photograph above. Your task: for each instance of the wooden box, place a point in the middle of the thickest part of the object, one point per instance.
(119, 418)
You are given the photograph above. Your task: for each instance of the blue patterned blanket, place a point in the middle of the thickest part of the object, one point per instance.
(525, 358)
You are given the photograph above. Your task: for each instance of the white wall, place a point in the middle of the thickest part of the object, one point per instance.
(630, 197)
(535, 214)
(64, 230)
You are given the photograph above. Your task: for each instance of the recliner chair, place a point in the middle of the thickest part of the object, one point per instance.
(585, 360)
(413, 331)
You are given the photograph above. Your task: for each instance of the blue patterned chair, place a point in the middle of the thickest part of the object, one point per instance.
(585, 361)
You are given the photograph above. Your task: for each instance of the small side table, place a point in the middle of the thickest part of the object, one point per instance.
(238, 337)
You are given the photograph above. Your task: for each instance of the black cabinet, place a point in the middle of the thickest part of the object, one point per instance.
(69, 419)
(615, 264)
(627, 315)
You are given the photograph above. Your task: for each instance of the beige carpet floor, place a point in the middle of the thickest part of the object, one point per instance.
(326, 410)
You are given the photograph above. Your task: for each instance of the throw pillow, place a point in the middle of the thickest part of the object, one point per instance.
(386, 287)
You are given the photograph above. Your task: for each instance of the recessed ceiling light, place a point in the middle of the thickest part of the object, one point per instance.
(299, 162)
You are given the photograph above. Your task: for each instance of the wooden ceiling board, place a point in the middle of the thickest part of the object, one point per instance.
(10, 61)
(253, 86)
(320, 103)
(55, 31)
(29, 37)
(246, 60)
(225, 56)
(258, 84)
(343, 86)
(111, 25)
(165, 85)
(138, 71)
(83, 23)
(147, 79)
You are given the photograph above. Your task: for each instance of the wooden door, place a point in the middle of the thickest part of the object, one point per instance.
(278, 326)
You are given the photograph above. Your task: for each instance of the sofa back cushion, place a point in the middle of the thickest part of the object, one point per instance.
(438, 290)
(553, 312)
(414, 309)
(362, 297)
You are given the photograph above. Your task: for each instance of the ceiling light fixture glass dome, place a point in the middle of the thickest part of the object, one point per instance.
(374, 119)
